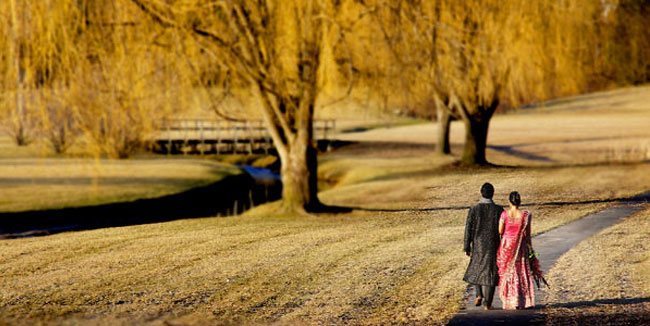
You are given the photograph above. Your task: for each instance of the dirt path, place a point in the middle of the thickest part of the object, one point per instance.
(550, 246)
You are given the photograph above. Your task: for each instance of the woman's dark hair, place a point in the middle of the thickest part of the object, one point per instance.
(487, 190)
(515, 198)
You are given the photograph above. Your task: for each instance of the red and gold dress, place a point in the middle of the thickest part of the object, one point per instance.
(515, 278)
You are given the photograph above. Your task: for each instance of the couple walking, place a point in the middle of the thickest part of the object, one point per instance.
(499, 244)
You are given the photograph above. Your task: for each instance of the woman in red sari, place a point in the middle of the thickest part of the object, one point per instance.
(515, 278)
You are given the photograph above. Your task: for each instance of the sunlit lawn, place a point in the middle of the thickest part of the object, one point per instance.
(607, 127)
(37, 183)
(616, 285)
(396, 259)
(365, 267)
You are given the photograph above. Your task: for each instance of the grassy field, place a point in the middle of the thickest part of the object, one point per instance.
(397, 258)
(33, 183)
(605, 279)
(366, 267)
(606, 127)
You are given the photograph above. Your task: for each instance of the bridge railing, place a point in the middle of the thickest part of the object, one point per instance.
(207, 135)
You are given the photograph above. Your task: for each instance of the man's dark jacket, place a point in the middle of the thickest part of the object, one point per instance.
(482, 240)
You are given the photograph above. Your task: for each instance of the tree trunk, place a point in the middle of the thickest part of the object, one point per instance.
(20, 133)
(300, 177)
(476, 131)
(298, 156)
(444, 123)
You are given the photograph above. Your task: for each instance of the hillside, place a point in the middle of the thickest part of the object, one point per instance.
(395, 259)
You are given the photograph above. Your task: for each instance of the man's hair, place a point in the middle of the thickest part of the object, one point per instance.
(487, 190)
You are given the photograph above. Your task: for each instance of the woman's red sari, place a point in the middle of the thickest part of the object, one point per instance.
(515, 279)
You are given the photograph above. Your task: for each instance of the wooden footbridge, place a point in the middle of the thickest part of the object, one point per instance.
(205, 136)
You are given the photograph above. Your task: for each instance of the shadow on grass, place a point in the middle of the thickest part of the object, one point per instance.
(641, 198)
(397, 210)
(630, 311)
(510, 150)
(538, 316)
(594, 303)
(572, 165)
(331, 209)
(229, 196)
(572, 100)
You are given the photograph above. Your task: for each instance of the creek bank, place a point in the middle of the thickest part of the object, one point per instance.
(231, 195)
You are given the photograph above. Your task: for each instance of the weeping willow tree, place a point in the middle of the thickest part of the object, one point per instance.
(467, 53)
(16, 70)
(37, 55)
(90, 70)
(108, 69)
(24, 65)
(125, 76)
(477, 56)
(276, 49)
(116, 66)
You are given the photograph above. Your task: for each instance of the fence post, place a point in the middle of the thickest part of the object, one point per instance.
(186, 136)
(236, 140)
(267, 140)
(251, 137)
(218, 128)
(169, 136)
(200, 126)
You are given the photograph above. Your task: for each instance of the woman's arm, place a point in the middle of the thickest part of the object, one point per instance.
(501, 224)
(528, 232)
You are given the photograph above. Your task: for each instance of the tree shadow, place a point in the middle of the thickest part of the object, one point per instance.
(627, 311)
(567, 141)
(641, 198)
(573, 165)
(229, 196)
(331, 209)
(398, 210)
(572, 99)
(594, 303)
(539, 316)
(510, 150)
(376, 149)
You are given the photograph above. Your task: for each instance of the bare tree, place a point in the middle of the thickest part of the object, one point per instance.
(94, 67)
(276, 47)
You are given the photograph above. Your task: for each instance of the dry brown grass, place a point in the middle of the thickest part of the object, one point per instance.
(362, 268)
(366, 267)
(28, 183)
(608, 127)
(8, 148)
(605, 279)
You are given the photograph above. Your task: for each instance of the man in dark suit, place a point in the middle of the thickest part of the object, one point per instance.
(481, 244)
